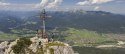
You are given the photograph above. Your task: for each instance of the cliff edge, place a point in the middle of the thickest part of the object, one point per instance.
(35, 45)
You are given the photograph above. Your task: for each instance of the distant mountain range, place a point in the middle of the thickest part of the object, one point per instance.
(100, 21)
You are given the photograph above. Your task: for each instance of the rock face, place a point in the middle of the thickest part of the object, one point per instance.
(38, 46)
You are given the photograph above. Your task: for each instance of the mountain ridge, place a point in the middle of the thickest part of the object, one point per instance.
(99, 21)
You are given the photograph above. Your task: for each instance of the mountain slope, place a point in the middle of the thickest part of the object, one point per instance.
(99, 21)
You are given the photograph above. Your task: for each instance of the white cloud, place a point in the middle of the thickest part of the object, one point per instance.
(1, 3)
(42, 4)
(100, 1)
(83, 3)
(48, 4)
(90, 2)
(96, 8)
(16, 7)
(54, 3)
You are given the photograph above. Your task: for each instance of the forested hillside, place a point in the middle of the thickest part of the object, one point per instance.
(99, 21)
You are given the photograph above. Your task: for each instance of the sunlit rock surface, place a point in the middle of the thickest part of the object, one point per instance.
(3, 46)
(38, 46)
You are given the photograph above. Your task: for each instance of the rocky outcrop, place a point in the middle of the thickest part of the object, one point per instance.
(38, 46)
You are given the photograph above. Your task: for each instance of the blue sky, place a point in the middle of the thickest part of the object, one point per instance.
(37, 1)
(115, 6)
